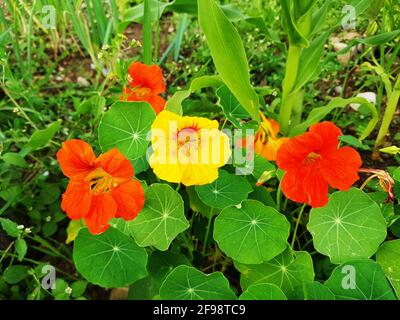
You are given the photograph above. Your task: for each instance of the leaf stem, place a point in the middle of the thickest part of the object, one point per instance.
(297, 225)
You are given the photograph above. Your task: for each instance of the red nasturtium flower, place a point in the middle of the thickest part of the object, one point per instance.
(313, 161)
(145, 84)
(99, 188)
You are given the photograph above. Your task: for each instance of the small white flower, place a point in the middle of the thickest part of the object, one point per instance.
(20, 227)
(48, 218)
(28, 230)
(68, 290)
(46, 173)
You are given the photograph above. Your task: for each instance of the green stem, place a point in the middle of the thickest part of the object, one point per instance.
(297, 225)
(292, 66)
(393, 100)
(207, 233)
(147, 33)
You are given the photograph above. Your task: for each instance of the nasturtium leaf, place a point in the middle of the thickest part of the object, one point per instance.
(349, 227)
(311, 291)
(263, 291)
(161, 219)
(160, 264)
(251, 234)
(188, 283)
(125, 127)
(227, 190)
(231, 107)
(388, 256)
(286, 271)
(110, 259)
(360, 280)
(197, 205)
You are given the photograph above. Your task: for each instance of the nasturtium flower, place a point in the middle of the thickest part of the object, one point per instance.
(187, 150)
(145, 84)
(99, 188)
(266, 141)
(313, 161)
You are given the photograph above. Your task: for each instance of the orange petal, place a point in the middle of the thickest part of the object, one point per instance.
(329, 134)
(129, 198)
(292, 152)
(103, 209)
(117, 165)
(340, 167)
(157, 102)
(146, 76)
(76, 199)
(76, 159)
(305, 185)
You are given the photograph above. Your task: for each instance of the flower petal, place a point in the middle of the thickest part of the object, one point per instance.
(293, 152)
(129, 198)
(329, 134)
(146, 76)
(76, 159)
(77, 199)
(340, 167)
(198, 174)
(103, 209)
(157, 102)
(305, 185)
(117, 165)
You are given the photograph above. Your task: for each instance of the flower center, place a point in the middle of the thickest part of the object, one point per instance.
(312, 157)
(100, 181)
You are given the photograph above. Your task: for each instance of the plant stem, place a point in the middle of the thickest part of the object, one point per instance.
(297, 225)
(147, 33)
(207, 233)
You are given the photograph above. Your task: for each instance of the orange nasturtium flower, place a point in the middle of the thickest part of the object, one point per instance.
(266, 141)
(313, 161)
(145, 84)
(99, 188)
(187, 150)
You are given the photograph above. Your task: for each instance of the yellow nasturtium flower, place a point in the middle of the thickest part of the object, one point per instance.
(187, 150)
(266, 141)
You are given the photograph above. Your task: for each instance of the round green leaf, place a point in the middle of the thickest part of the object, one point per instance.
(252, 233)
(350, 226)
(125, 126)
(263, 291)
(188, 283)
(161, 219)
(311, 291)
(15, 274)
(360, 280)
(286, 271)
(110, 259)
(227, 190)
(388, 256)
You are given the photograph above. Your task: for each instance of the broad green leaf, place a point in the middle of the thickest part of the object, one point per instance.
(14, 159)
(160, 264)
(361, 5)
(199, 206)
(174, 104)
(349, 227)
(21, 248)
(231, 107)
(388, 256)
(379, 39)
(310, 60)
(228, 189)
(140, 165)
(78, 288)
(311, 291)
(263, 168)
(41, 138)
(228, 54)
(14, 274)
(161, 219)
(188, 283)
(252, 233)
(318, 17)
(360, 280)
(318, 114)
(135, 14)
(295, 36)
(125, 127)
(110, 259)
(286, 271)
(10, 227)
(263, 291)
